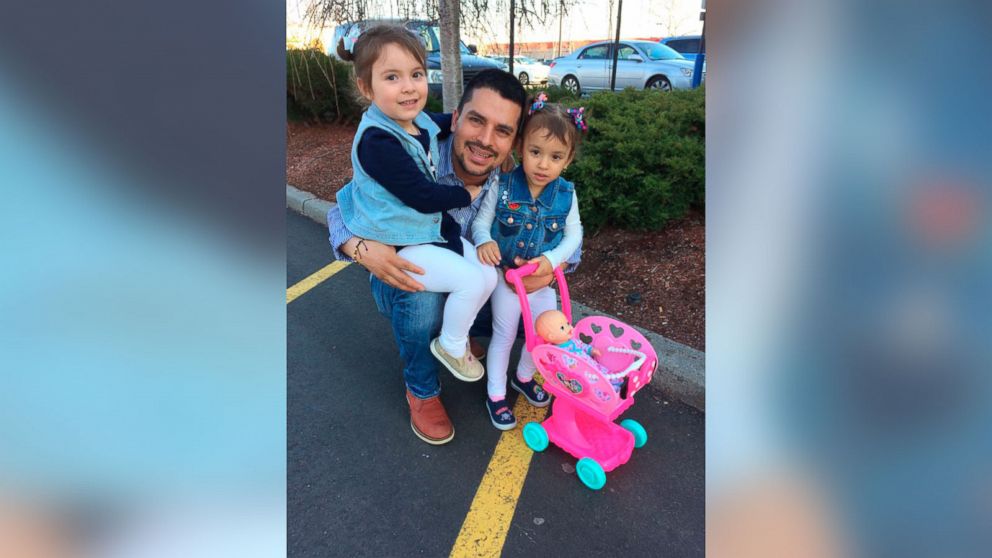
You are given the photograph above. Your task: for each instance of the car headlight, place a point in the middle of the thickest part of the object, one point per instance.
(687, 72)
(434, 76)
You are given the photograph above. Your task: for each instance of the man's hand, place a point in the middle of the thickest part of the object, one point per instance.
(381, 260)
(489, 253)
(536, 280)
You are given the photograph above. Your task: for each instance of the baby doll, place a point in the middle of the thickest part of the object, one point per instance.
(553, 327)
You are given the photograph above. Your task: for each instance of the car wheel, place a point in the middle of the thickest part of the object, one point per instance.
(571, 85)
(524, 78)
(659, 82)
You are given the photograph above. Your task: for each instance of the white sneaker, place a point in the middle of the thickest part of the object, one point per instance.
(466, 368)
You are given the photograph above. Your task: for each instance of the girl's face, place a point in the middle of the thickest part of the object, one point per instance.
(544, 157)
(399, 85)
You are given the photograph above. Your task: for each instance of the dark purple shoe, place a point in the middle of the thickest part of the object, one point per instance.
(500, 414)
(532, 391)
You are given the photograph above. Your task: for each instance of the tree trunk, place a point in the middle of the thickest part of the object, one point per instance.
(451, 57)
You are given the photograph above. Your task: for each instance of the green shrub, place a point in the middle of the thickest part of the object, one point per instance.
(320, 87)
(434, 104)
(642, 162)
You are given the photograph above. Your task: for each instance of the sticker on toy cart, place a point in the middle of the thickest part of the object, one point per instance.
(573, 385)
(601, 395)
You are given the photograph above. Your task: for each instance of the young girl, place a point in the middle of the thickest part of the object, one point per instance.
(534, 215)
(393, 197)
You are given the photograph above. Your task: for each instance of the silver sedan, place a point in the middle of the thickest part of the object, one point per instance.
(640, 64)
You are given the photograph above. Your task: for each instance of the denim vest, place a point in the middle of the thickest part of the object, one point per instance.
(369, 210)
(527, 227)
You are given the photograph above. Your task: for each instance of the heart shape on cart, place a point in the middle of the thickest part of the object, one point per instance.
(585, 338)
(595, 328)
(616, 331)
(634, 345)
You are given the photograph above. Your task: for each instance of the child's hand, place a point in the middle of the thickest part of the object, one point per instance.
(489, 253)
(543, 265)
(595, 353)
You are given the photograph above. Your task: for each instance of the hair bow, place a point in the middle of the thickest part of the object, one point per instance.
(576, 115)
(351, 37)
(538, 104)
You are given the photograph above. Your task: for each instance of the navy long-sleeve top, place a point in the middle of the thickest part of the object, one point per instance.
(384, 159)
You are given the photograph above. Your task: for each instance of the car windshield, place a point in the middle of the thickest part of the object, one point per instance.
(432, 41)
(658, 51)
(524, 60)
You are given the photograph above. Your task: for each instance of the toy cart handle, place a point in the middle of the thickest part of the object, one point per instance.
(515, 278)
(639, 359)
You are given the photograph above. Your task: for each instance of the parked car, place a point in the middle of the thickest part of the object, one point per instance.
(640, 64)
(499, 60)
(526, 69)
(686, 45)
(430, 34)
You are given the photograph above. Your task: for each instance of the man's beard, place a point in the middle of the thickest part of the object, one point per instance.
(460, 158)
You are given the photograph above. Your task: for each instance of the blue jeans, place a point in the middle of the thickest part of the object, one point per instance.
(416, 319)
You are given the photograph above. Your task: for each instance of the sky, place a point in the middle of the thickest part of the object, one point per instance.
(588, 20)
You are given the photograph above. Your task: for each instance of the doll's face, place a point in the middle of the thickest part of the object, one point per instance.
(553, 327)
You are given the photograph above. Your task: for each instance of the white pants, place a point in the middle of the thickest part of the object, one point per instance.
(506, 317)
(468, 281)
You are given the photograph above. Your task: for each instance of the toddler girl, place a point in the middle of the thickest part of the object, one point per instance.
(533, 215)
(393, 197)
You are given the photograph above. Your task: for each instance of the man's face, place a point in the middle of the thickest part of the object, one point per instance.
(483, 134)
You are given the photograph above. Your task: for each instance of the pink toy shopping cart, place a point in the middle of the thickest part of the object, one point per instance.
(586, 401)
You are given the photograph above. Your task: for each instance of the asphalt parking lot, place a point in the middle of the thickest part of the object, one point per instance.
(361, 484)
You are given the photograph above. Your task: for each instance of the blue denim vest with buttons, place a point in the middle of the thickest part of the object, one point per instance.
(369, 210)
(527, 227)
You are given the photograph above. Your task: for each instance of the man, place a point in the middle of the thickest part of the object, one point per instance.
(484, 127)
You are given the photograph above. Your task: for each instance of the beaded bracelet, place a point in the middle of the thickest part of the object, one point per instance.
(355, 254)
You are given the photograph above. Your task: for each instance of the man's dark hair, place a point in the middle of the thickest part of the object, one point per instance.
(504, 84)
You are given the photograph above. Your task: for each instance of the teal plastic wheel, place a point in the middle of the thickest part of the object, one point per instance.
(635, 428)
(535, 436)
(590, 473)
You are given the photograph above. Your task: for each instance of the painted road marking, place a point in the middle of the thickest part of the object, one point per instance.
(315, 279)
(484, 530)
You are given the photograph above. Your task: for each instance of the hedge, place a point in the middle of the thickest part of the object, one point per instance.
(642, 162)
(319, 87)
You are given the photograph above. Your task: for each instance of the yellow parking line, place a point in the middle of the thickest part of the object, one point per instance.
(488, 519)
(313, 280)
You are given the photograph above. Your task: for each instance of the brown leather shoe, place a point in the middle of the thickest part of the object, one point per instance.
(478, 351)
(429, 420)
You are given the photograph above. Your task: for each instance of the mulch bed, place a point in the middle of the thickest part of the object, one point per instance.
(655, 280)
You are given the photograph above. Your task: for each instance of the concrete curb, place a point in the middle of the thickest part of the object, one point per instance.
(308, 204)
(681, 370)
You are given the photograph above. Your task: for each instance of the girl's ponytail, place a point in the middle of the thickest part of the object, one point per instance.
(343, 53)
